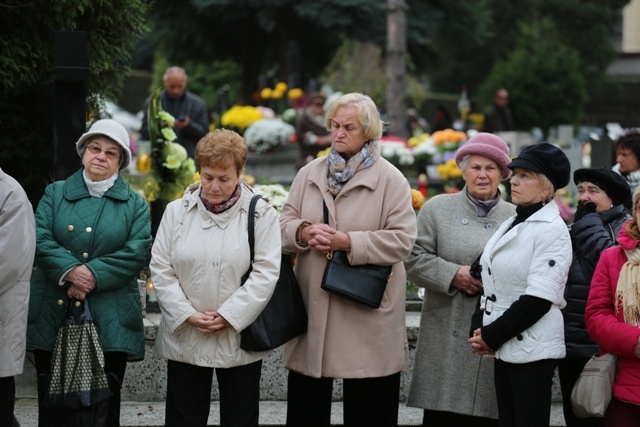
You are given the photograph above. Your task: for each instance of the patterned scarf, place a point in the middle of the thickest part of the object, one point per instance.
(628, 291)
(483, 206)
(217, 209)
(339, 170)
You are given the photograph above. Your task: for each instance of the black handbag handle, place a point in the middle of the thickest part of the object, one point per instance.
(85, 316)
(325, 214)
(250, 232)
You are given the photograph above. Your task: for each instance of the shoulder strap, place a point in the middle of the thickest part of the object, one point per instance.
(250, 232)
(251, 223)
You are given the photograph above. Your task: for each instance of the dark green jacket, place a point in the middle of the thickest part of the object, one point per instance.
(111, 235)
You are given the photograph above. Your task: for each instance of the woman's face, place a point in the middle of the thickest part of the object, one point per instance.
(101, 158)
(526, 188)
(347, 132)
(588, 192)
(482, 176)
(218, 184)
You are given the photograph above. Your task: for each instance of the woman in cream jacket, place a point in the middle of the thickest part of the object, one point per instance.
(199, 256)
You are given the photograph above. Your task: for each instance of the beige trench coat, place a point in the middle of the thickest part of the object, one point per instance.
(17, 250)
(344, 339)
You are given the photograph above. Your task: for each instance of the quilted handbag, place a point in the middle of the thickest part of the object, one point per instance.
(78, 379)
(591, 394)
(285, 316)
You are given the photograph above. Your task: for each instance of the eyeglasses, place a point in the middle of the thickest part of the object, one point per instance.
(96, 149)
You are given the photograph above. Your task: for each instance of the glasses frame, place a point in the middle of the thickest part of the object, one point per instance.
(95, 149)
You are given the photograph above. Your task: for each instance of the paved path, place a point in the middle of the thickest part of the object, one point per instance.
(151, 414)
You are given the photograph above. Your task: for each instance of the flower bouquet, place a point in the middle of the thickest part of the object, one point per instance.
(171, 169)
(239, 117)
(263, 135)
(276, 194)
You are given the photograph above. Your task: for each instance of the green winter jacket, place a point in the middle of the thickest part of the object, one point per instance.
(111, 235)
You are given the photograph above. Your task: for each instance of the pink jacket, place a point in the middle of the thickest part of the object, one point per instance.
(606, 327)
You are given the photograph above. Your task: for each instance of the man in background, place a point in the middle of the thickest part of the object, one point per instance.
(188, 109)
(498, 116)
(311, 131)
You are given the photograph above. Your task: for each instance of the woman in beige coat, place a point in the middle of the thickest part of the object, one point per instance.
(199, 256)
(371, 218)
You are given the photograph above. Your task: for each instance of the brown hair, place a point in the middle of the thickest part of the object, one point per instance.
(221, 148)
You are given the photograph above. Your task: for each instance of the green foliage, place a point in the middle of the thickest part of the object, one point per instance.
(543, 74)
(26, 62)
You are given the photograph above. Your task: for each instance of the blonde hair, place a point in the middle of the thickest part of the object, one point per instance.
(221, 148)
(366, 112)
(547, 185)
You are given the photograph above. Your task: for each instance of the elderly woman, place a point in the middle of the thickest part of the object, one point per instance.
(524, 271)
(612, 317)
(371, 218)
(92, 240)
(198, 259)
(453, 385)
(597, 222)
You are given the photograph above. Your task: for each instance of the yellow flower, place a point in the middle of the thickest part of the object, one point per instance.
(277, 94)
(265, 93)
(240, 117)
(324, 153)
(417, 199)
(281, 87)
(295, 93)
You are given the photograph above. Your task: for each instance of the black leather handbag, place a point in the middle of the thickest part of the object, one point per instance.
(363, 284)
(285, 316)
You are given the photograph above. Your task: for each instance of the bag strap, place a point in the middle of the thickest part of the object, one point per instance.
(325, 212)
(250, 232)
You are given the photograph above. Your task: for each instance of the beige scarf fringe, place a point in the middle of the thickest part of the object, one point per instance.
(628, 291)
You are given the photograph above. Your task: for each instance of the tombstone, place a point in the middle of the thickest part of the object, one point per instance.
(61, 114)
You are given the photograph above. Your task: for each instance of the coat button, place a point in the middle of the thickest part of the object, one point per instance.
(71, 228)
(85, 255)
(60, 302)
(454, 332)
(88, 229)
(552, 263)
(519, 337)
(489, 226)
(77, 303)
(464, 221)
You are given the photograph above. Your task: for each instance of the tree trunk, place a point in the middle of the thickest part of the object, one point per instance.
(396, 67)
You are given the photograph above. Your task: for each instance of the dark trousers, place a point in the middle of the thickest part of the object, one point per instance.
(524, 392)
(569, 370)
(115, 365)
(371, 402)
(451, 419)
(189, 395)
(7, 400)
(622, 414)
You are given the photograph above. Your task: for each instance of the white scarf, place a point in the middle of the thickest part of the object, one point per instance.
(98, 188)
(628, 291)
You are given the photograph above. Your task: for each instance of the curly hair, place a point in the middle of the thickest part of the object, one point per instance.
(630, 140)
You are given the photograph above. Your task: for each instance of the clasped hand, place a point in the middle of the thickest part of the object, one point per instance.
(81, 281)
(323, 238)
(209, 322)
(478, 345)
(465, 282)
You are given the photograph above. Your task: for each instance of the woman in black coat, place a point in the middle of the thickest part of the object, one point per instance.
(597, 222)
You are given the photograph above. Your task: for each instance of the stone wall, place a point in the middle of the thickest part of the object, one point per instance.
(146, 381)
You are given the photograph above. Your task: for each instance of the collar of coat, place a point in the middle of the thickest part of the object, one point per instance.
(75, 188)
(368, 178)
(191, 200)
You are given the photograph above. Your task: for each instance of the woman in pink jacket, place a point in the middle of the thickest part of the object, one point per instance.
(613, 319)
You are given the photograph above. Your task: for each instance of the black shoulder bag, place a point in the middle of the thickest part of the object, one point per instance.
(364, 284)
(285, 316)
